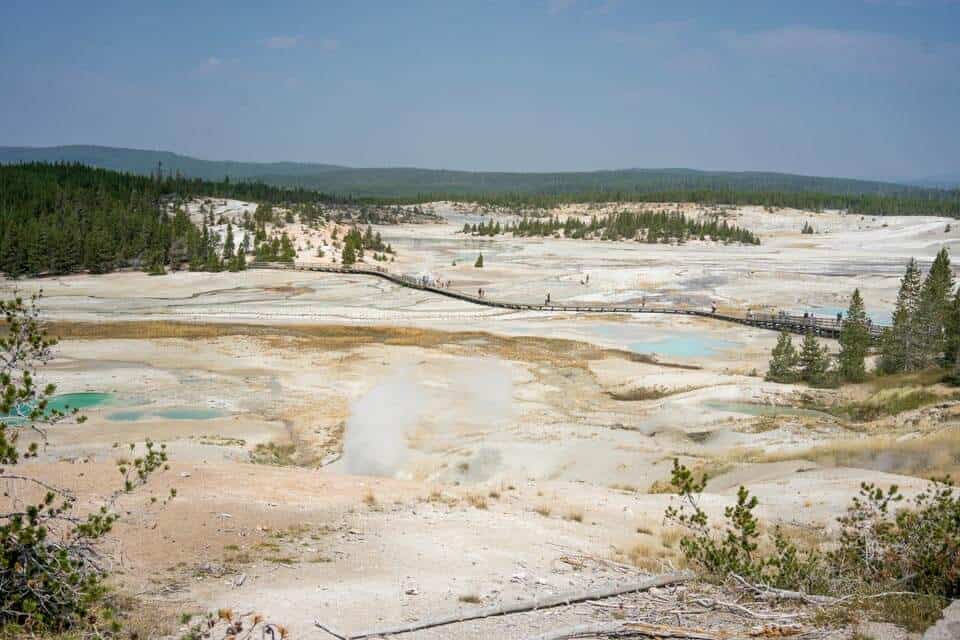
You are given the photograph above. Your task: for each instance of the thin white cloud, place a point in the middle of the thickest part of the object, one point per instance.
(555, 7)
(282, 42)
(843, 50)
(915, 4)
(666, 32)
(287, 42)
(803, 46)
(209, 65)
(608, 6)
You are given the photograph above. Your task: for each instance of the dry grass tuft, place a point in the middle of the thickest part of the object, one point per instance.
(281, 455)
(670, 537)
(639, 394)
(889, 402)
(140, 618)
(925, 378)
(476, 501)
(711, 469)
(646, 557)
(937, 454)
(575, 515)
(438, 497)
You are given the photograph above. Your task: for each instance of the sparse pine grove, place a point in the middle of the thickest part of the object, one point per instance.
(355, 243)
(924, 333)
(644, 226)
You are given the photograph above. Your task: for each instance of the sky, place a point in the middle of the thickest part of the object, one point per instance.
(857, 88)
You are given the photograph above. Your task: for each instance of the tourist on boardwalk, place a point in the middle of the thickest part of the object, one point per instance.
(548, 299)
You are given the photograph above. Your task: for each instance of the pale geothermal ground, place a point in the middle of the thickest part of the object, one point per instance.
(428, 452)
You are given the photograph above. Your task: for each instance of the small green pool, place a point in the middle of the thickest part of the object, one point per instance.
(759, 409)
(172, 413)
(83, 400)
(67, 402)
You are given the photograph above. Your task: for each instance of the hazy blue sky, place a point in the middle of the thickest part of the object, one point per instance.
(865, 88)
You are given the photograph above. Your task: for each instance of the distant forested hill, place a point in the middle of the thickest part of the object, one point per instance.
(144, 162)
(528, 189)
(943, 181)
(409, 182)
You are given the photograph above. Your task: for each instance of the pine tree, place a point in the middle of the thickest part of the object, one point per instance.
(814, 361)
(213, 263)
(854, 341)
(287, 253)
(228, 245)
(479, 263)
(900, 346)
(783, 360)
(37, 250)
(933, 308)
(100, 255)
(11, 254)
(348, 257)
(951, 353)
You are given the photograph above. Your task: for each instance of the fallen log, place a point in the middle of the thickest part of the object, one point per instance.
(626, 629)
(733, 607)
(545, 603)
(765, 592)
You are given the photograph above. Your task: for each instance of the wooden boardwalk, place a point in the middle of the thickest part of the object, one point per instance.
(820, 326)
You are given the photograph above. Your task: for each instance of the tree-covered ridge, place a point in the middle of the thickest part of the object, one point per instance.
(645, 226)
(62, 218)
(410, 180)
(546, 190)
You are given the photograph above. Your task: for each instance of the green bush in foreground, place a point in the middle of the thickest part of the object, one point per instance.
(51, 574)
(911, 552)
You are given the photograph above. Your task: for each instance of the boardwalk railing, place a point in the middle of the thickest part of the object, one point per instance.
(818, 325)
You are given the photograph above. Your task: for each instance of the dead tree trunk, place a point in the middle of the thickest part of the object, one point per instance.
(489, 612)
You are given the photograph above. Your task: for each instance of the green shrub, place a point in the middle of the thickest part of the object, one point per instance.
(908, 557)
(51, 577)
(736, 551)
(888, 404)
(917, 549)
